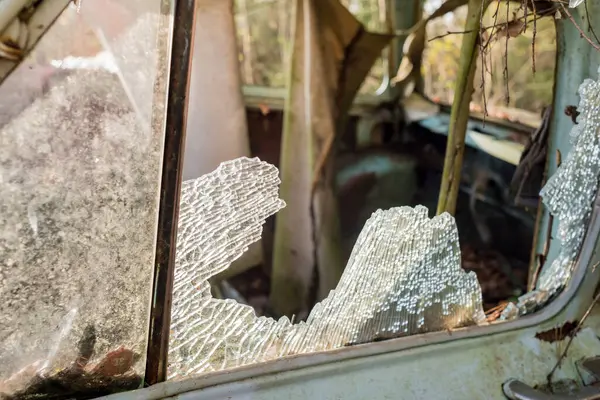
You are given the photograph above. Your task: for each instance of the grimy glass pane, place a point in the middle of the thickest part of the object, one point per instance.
(81, 135)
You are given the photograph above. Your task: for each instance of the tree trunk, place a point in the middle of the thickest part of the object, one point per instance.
(460, 109)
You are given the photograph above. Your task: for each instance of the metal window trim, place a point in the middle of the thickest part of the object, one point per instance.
(177, 104)
(572, 303)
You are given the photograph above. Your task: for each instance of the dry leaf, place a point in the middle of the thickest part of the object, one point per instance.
(512, 29)
(485, 36)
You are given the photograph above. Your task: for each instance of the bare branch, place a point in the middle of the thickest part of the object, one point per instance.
(583, 35)
(590, 27)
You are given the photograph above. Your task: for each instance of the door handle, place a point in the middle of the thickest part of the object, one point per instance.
(517, 390)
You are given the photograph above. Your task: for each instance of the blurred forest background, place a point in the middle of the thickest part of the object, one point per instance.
(264, 32)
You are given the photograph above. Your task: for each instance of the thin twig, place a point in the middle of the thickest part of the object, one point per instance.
(590, 27)
(491, 36)
(534, 33)
(485, 28)
(494, 25)
(583, 35)
(448, 33)
(572, 336)
(505, 72)
(483, 66)
(525, 12)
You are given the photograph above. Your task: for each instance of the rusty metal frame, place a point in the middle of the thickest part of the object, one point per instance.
(170, 191)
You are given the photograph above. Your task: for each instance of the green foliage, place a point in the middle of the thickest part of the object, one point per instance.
(263, 28)
(523, 88)
(264, 33)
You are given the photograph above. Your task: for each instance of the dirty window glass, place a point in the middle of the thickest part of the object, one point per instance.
(264, 32)
(80, 155)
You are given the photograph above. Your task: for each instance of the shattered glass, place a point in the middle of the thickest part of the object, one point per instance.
(79, 178)
(404, 277)
(569, 196)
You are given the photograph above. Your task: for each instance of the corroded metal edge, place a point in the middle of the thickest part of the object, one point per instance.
(170, 192)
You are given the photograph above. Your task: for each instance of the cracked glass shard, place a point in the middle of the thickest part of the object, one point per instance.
(404, 277)
(569, 196)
